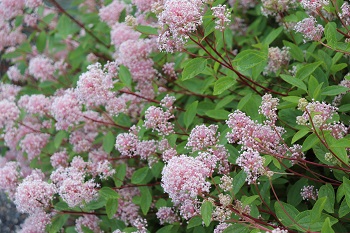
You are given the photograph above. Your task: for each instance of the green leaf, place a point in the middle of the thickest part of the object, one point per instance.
(169, 229)
(304, 220)
(194, 67)
(294, 81)
(328, 191)
(111, 207)
(330, 31)
(119, 176)
(286, 213)
(146, 199)
(307, 70)
(272, 36)
(317, 209)
(108, 193)
(195, 221)
(140, 175)
(222, 84)
(344, 209)
(293, 194)
(147, 30)
(334, 90)
(238, 181)
(309, 142)
(108, 142)
(190, 113)
(346, 183)
(249, 200)
(237, 228)
(59, 138)
(248, 59)
(41, 41)
(326, 227)
(58, 222)
(206, 212)
(301, 133)
(86, 229)
(125, 76)
(295, 51)
(219, 114)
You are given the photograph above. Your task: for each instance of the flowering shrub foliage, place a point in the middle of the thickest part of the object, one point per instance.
(176, 115)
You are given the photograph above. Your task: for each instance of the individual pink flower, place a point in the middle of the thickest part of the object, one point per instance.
(184, 178)
(34, 194)
(90, 221)
(42, 68)
(310, 29)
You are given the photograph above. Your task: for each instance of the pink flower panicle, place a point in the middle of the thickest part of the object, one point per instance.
(126, 144)
(90, 221)
(33, 143)
(313, 5)
(59, 159)
(15, 74)
(308, 192)
(278, 58)
(168, 101)
(274, 7)
(42, 68)
(9, 91)
(177, 20)
(35, 104)
(36, 223)
(169, 70)
(202, 137)
(319, 113)
(310, 29)
(157, 120)
(345, 13)
(295, 153)
(223, 16)
(34, 194)
(33, 3)
(221, 227)
(9, 178)
(167, 215)
(122, 32)
(111, 13)
(9, 113)
(66, 110)
(184, 178)
(268, 108)
(252, 164)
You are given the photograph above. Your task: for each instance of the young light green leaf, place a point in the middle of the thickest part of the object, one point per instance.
(206, 212)
(238, 181)
(346, 183)
(41, 41)
(58, 222)
(307, 70)
(310, 141)
(147, 30)
(219, 114)
(334, 90)
(327, 190)
(193, 68)
(119, 175)
(249, 58)
(108, 142)
(140, 175)
(317, 209)
(59, 138)
(286, 213)
(301, 133)
(326, 227)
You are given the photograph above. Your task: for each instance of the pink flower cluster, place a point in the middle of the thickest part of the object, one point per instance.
(202, 137)
(268, 108)
(252, 164)
(90, 221)
(310, 29)
(278, 58)
(184, 178)
(345, 13)
(167, 215)
(223, 16)
(314, 5)
(157, 119)
(111, 13)
(9, 113)
(177, 20)
(9, 177)
(309, 192)
(274, 7)
(33, 194)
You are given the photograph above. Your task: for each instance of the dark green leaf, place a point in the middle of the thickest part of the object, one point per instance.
(326, 227)
(286, 213)
(310, 141)
(219, 114)
(125, 76)
(330, 31)
(328, 191)
(238, 181)
(294, 81)
(146, 199)
(147, 30)
(307, 70)
(108, 193)
(140, 175)
(59, 137)
(41, 41)
(119, 176)
(195, 221)
(58, 222)
(223, 84)
(317, 209)
(249, 58)
(334, 90)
